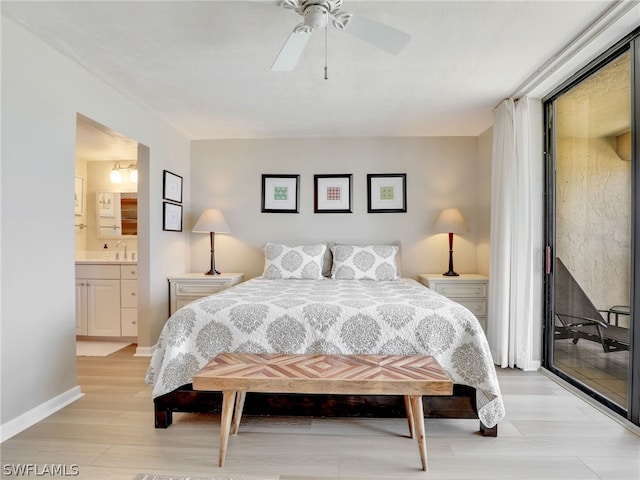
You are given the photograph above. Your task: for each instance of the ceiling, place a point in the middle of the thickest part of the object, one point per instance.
(96, 142)
(204, 66)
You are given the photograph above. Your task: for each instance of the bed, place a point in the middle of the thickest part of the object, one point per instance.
(302, 310)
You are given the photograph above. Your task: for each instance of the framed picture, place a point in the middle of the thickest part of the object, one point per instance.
(280, 193)
(332, 193)
(106, 204)
(171, 186)
(387, 193)
(78, 196)
(172, 217)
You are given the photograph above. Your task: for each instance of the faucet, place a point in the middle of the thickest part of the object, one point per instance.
(122, 242)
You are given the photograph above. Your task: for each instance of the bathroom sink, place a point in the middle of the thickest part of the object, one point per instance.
(112, 257)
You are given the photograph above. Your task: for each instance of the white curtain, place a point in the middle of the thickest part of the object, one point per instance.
(514, 327)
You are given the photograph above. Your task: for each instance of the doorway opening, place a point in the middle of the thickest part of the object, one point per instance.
(106, 238)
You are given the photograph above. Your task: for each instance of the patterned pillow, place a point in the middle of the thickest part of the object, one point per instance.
(367, 262)
(300, 262)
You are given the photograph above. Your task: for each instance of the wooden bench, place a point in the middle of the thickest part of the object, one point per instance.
(235, 374)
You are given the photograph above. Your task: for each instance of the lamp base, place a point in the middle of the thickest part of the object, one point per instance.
(213, 270)
(451, 273)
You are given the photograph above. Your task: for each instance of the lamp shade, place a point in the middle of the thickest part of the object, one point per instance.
(451, 221)
(211, 220)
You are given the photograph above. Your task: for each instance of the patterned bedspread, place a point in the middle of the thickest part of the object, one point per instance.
(328, 316)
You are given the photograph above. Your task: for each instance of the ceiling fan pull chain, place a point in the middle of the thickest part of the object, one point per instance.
(326, 40)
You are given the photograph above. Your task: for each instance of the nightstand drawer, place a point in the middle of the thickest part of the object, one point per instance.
(180, 302)
(187, 287)
(477, 307)
(198, 289)
(466, 290)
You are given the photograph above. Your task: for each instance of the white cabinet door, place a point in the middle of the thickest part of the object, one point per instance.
(103, 307)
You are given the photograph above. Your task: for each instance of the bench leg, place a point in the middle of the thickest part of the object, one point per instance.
(407, 406)
(418, 421)
(237, 414)
(228, 401)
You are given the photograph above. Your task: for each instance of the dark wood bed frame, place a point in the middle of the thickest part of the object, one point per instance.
(462, 404)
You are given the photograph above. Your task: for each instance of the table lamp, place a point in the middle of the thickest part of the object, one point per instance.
(451, 221)
(212, 221)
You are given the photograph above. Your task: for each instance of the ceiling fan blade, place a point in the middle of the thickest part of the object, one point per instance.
(388, 38)
(290, 52)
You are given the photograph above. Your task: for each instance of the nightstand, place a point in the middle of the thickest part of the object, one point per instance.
(185, 288)
(468, 289)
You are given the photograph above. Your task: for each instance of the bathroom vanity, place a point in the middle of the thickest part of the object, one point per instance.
(106, 298)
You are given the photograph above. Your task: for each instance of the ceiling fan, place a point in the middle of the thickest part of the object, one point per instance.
(316, 14)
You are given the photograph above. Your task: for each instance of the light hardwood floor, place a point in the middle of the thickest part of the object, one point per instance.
(549, 433)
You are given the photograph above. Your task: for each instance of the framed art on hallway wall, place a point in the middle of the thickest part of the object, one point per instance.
(171, 186)
(172, 217)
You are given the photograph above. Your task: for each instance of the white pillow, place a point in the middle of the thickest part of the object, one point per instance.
(364, 262)
(300, 262)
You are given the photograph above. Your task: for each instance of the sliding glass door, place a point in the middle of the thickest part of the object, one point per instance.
(590, 280)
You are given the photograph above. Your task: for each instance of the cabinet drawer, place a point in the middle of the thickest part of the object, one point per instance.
(129, 293)
(109, 272)
(184, 289)
(129, 322)
(129, 271)
(478, 307)
(475, 290)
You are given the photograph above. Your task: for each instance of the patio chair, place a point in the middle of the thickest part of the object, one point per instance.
(579, 318)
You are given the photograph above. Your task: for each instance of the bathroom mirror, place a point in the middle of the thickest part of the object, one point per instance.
(117, 214)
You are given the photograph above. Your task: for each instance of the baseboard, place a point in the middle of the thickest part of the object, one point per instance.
(42, 411)
(143, 352)
(534, 366)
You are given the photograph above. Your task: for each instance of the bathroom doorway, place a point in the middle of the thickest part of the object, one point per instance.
(106, 238)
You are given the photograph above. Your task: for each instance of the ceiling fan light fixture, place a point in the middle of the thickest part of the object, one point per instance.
(315, 16)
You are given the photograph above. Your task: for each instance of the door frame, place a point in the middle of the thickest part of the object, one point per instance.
(632, 43)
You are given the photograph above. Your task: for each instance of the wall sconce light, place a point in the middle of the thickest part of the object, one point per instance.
(451, 221)
(116, 176)
(212, 221)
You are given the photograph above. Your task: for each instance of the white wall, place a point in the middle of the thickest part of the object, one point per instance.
(593, 217)
(483, 182)
(441, 172)
(42, 91)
